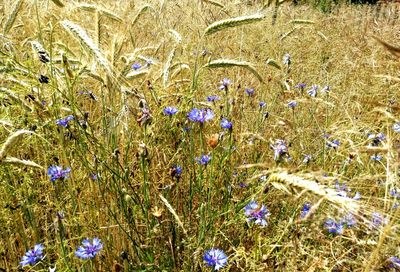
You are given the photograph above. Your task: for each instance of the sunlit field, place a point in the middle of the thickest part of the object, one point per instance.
(199, 136)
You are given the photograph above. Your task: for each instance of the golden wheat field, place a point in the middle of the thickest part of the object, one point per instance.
(199, 135)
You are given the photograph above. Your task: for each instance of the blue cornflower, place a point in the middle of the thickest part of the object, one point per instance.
(262, 104)
(32, 256)
(203, 159)
(395, 192)
(256, 214)
(305, 210)
(225, 124)
(394, 262)
(292, 104)
(89, 249)
(249, 91)
(349, 220)
(333, 227)
(200, 115)
(136, 66)
(287, 59)
(170, 110)
(213, 98)
(377, 220)
(313, 91)
(64, 122)
(224, 84)
(176, 171)
(307, 158)
(343, 190)
(376, 139)
(376, 157)
(280, 149)
(332, 144)
(301, 86)
(396, 127)
(215, 258)
(56, 172)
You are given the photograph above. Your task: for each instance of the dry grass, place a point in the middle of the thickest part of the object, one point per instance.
(147, 217)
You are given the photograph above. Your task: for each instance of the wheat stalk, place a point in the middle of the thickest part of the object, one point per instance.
(105, 12)
(233, 22)
(12, 160)
(144, 9)
(12, 16)
(215, 3)
(301, 21)
(173, 213)
(81, 35)
(12, 141)
(222, 63)
(391, 48)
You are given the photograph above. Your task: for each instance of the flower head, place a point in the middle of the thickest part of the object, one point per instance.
(213, 98)
(376, 138)
(287, 59)
(396, 127)
(349, 220)
(64, 122)
(170, 111)
(56, 172)
(292, 104)
(89, 249)
(256, 214)
(200, 115)
(313, 91)
(225, 124)
(224, 84)
(136, 66)
(332, 144)
(249, 91)
(377, 220)
(203, 159)
(325, 89)
(280, 149)
(32, 256)
(301, 86)
(215, 258)
(176, 171)
(305, 210)
(376, 157)
(333, 227)
(262, 104)
(307, 158)
(394, 262)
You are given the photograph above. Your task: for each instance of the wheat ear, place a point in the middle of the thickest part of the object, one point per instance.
(168, 66)
(15, 98)
(58, 3)
(12, 16)
(144, 9)
(12, 160)
(12, 141)
(233, 22)
(82, 36)
(221, 63)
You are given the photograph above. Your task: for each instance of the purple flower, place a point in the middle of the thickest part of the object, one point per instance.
(394, 262)
(377, 220)
(250, 92)
(305, 210)
(64, 122)
(176, 171)
(170, 111)
(301, 86)
(262, 104)
(332, 144)
(376, 157)
(136, 66)
(376, 139)
(343, 190)
(33, 256)
(307, 158)
(200, 115)
(213, 98)
(313, 91)
(292, 104)
(333, 227)
(280, 149)
(56, 172)
(349, 220)
(225, 124)
(396, 127)
(89, 249)
(224, 84)
(256, 214)
(203, 159)
(215, 258)
(287, 59)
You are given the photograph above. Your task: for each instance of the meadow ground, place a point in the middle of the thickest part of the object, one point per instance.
(198, 136)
